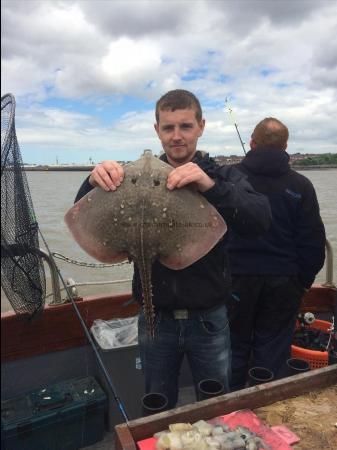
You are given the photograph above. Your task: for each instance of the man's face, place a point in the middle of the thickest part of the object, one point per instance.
(178, 132)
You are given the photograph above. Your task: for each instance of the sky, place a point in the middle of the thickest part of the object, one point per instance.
(86, 74)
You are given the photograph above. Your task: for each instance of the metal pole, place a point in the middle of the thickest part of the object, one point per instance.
(230, 112)
(329, 265)
(242, 144)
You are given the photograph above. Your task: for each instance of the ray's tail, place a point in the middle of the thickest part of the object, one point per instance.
(145, 271)
(145, 277)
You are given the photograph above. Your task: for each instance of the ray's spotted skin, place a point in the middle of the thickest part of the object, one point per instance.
(143, 221)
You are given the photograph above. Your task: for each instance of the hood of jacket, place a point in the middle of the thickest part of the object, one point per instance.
(268, 162)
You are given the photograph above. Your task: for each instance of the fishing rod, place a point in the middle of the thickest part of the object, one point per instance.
(90, 339)
(231, 115)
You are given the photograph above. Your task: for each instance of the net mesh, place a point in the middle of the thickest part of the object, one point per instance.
(22, 271)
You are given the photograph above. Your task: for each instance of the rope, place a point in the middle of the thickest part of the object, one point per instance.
(85, 264)
(331, 330)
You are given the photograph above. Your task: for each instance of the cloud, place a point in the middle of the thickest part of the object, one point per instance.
(244, 15)
(78, 62)
(135, 19)
(324, 60)
(126, 57)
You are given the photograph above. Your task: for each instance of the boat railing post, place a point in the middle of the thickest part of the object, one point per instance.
(329, 265)
(55, 284)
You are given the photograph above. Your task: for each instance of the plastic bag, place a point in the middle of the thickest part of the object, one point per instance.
(115, 333)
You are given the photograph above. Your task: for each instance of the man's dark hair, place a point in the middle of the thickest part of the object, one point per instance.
(178, 99)
(270, 133)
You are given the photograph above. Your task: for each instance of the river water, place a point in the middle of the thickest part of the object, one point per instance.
(53, 194)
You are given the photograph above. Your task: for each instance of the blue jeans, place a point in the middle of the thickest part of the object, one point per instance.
(205, 340)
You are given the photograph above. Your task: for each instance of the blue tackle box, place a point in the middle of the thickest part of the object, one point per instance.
(63, 416)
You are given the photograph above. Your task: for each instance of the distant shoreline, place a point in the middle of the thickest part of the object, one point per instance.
(87, 168)
(319, 167)
(60, 168)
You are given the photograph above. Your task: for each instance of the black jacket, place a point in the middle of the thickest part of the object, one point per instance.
(295, 242)
(205, 283)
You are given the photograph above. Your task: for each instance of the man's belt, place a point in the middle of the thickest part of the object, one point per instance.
(184, 314)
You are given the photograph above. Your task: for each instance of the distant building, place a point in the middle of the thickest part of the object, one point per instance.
(223, 160)
(228, 160)
(300, 156)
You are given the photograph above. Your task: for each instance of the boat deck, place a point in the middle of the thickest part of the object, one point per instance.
(55, 349)
(108, 443)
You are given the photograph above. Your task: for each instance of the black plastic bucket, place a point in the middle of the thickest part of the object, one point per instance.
(296, 366)
(209, 388)
(153, 403)
(259, 375)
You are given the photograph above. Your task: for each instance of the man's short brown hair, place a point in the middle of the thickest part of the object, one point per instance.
(270, 133)
(178, 99)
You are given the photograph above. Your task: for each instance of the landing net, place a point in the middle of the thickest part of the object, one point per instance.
(22, 271)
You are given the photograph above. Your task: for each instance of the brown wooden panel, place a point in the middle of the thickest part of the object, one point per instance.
(319, 299)
(250, 398)
(124, 439)
(58, 327)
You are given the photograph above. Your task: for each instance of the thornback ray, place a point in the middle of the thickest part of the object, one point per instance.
(143, 221)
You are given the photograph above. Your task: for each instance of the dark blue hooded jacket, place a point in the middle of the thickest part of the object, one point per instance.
(295, 243)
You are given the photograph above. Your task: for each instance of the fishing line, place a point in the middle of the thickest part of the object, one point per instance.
(88, 335)
(231, 115)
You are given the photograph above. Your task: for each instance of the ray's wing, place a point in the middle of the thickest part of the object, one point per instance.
(99, 224)
(193, 228)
